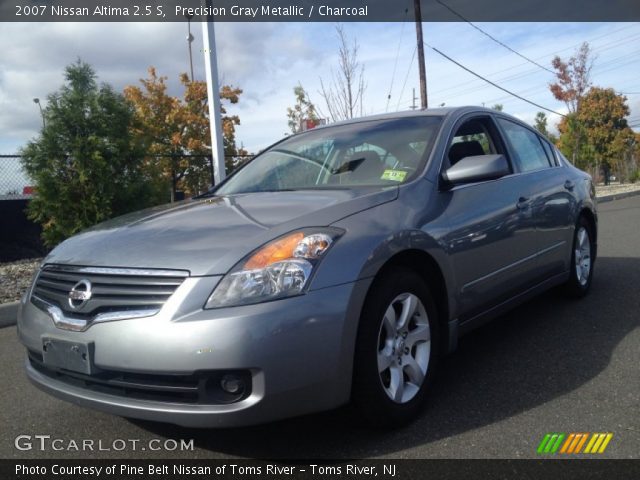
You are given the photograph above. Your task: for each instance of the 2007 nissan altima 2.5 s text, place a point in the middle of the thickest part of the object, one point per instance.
(335, 267)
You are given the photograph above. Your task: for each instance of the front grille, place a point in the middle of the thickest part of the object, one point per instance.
(201, 388)
(112, 289)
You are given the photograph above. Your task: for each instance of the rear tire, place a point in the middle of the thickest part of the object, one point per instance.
(396, 350)
(582, 260)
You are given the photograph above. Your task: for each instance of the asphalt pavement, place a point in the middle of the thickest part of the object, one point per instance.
(552, 365)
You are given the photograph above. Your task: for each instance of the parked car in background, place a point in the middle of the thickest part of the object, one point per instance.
(336, 266)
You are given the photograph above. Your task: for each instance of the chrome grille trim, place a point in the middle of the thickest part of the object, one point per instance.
(115, 293)
(66, 322)
(136, 272)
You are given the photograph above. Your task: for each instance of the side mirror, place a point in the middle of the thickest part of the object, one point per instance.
(476, 169)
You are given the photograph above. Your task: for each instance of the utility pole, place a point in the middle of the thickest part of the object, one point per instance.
(423, 74)
(414, 106)
(213, 96)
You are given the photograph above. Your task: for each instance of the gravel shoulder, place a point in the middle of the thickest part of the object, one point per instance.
(616, 189)
(15, 278)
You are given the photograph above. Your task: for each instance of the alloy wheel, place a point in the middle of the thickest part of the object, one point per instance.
(404, 347)
(582, 256)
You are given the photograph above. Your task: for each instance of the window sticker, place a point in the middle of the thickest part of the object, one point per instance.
(394, 175)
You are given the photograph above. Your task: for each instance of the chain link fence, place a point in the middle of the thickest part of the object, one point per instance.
(195, 179)
(14, 182)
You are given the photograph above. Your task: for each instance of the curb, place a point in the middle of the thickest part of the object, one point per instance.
(617, 196)
(8, 314)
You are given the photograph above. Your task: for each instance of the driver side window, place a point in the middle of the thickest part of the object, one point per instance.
(470, 139)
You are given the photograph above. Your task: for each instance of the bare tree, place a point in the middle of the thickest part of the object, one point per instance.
(343, 93)
(573, 78)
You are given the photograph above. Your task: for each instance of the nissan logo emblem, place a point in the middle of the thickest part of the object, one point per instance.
(80, 294)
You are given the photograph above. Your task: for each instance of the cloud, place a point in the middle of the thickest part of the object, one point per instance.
(267, 60)
(257, 57)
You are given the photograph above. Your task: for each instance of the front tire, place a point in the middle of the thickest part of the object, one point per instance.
(396, 349)
(582, 260)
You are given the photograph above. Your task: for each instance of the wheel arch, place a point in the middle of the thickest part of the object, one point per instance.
(430, 271)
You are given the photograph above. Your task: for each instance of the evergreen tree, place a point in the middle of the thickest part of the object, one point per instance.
(85, 167)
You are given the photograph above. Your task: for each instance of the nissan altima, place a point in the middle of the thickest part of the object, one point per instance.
(336, 267)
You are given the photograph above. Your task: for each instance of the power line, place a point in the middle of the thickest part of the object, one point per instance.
(597, 70)
(395, 64)
(493, 38)
(492, 83)
(525, 73)
(610, 64)
(597, 49)
(406, 77)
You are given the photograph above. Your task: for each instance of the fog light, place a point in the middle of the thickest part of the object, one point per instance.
(232, 384)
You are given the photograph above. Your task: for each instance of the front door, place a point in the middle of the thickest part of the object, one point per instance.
(492, 236)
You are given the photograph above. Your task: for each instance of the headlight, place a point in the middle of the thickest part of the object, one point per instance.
(279, 269)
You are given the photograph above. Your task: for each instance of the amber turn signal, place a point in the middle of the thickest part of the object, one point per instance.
(275, 251)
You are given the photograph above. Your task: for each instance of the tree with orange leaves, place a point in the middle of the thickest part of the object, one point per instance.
(606, 138)
(175, 131)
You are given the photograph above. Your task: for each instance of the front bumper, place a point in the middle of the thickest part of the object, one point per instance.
(299, 352)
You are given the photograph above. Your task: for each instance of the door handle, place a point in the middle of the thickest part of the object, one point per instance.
(568, 185)
(523, 203)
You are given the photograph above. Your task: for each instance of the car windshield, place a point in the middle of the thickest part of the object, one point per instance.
(377, 153)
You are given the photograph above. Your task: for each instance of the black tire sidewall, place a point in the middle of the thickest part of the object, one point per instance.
(368, 394)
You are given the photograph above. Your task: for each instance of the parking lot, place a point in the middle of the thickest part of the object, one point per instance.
(552, 365)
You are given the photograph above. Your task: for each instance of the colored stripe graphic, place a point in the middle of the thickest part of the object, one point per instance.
(607, 439)
(543, 443)
(591, 442)
(573, 443)
(567, 442)
(557, 444)
(581, 443)
(551, 442)
(598, 443)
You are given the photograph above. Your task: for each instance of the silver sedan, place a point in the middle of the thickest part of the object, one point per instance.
(335, 267)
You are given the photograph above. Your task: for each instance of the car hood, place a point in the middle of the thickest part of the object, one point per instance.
(209, 236)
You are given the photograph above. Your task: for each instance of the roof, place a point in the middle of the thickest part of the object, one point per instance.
(440, 111)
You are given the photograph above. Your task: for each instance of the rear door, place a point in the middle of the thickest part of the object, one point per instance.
(552, 201)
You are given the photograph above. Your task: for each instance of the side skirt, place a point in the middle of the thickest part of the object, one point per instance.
(480, 319)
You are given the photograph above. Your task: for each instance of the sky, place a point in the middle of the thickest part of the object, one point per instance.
(267, 60)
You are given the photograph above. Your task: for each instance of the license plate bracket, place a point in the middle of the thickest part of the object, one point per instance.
(67, 355)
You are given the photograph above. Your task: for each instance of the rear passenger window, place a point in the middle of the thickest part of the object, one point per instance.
(549, 152)
(529, 151)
